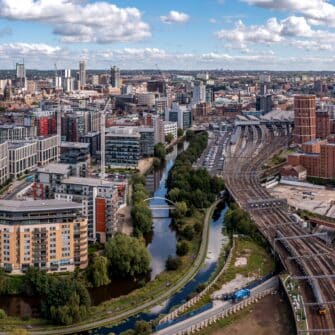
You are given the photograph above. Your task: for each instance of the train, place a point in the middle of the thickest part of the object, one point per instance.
(320, 307)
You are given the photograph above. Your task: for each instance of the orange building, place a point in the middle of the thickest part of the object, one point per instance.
(47, 234)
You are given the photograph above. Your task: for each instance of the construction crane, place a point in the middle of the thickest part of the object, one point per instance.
(103, 139)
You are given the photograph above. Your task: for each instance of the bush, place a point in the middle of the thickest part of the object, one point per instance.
(182, 248)
(3, 314)
(173, 263)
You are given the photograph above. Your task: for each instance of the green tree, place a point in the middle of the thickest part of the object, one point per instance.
(169, 138)
(3, 314)
(188, 232)
(142, 328)
(142, 219)
(180, 210)
(180, 132)
(98, 271)
(128, 256)
(182, 248)
(159, 151)
(173, 263)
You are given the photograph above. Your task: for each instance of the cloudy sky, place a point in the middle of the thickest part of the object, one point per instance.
(175, 34)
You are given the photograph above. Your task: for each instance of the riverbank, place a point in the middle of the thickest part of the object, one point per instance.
(148, 300)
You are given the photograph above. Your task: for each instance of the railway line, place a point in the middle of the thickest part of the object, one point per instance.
(242, 175)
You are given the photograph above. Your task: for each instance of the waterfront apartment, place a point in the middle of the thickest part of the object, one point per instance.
(48, 234)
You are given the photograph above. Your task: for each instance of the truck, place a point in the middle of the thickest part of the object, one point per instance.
(241, 294)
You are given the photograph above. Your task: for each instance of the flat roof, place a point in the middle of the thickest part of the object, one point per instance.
(59, 168)
(76, 145)
(37, 205)
(88, 181)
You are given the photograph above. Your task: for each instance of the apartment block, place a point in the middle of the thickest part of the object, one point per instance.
(99, 199)
(304, 118)
(4, 166)
(48, 234)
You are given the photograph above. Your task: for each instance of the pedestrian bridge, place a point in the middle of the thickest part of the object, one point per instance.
(156, 208)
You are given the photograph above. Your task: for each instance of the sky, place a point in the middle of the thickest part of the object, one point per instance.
(169, 34)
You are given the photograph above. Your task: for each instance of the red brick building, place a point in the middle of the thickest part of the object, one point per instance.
(304, 118)
(322, 125)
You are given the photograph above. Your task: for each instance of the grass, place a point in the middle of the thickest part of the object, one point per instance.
(280, 158)
(259, 264)
(137, 297)
(225, 322)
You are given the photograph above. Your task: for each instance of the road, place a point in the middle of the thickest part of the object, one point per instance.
(218, 308)
(146, 305)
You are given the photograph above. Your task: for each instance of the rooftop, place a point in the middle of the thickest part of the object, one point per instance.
(88, 182)
(55, 168)
(37, 205)
(75, 145)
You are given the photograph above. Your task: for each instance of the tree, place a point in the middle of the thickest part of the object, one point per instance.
(3, 314)
(142, 219)
(188, 232)
(180, 132)
(159, 151)
(143, 328)
(182, 248)
(128, 256)
(180, 210)
(169, 138)
(98, 271)
(173, 263)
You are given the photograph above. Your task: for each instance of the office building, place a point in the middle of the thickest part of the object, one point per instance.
(180, 114)
(82, 74)
(123, 146)
(50, 235)
(115, 79)
(99, 199)
(157, 86)
(147, 141)
(304, 118)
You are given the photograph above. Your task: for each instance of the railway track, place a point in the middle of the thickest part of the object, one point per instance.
(241, 172)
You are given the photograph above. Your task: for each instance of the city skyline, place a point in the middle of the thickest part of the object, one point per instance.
(190, 35)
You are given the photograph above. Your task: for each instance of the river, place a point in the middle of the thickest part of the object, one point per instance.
(215, 242)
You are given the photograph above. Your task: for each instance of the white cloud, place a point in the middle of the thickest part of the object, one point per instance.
(212, 20)
(175, 17)
(80, 21)
(316, 11)
(276, 31)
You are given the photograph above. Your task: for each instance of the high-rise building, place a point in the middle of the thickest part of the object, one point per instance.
(20, 75)
(48, 234)
(199, 93)
(304, 118)
(322, 124)
(264, 103)
(115, 79)
(82, 74)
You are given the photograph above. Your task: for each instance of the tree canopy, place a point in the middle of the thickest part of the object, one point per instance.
(128, 256)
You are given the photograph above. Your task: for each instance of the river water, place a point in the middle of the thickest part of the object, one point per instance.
(216, 239)
(161, 244)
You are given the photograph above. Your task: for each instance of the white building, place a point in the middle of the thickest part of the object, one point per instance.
(171, 128)
(22, 157)
(199, 93)
(4, 168)
(47, 149)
